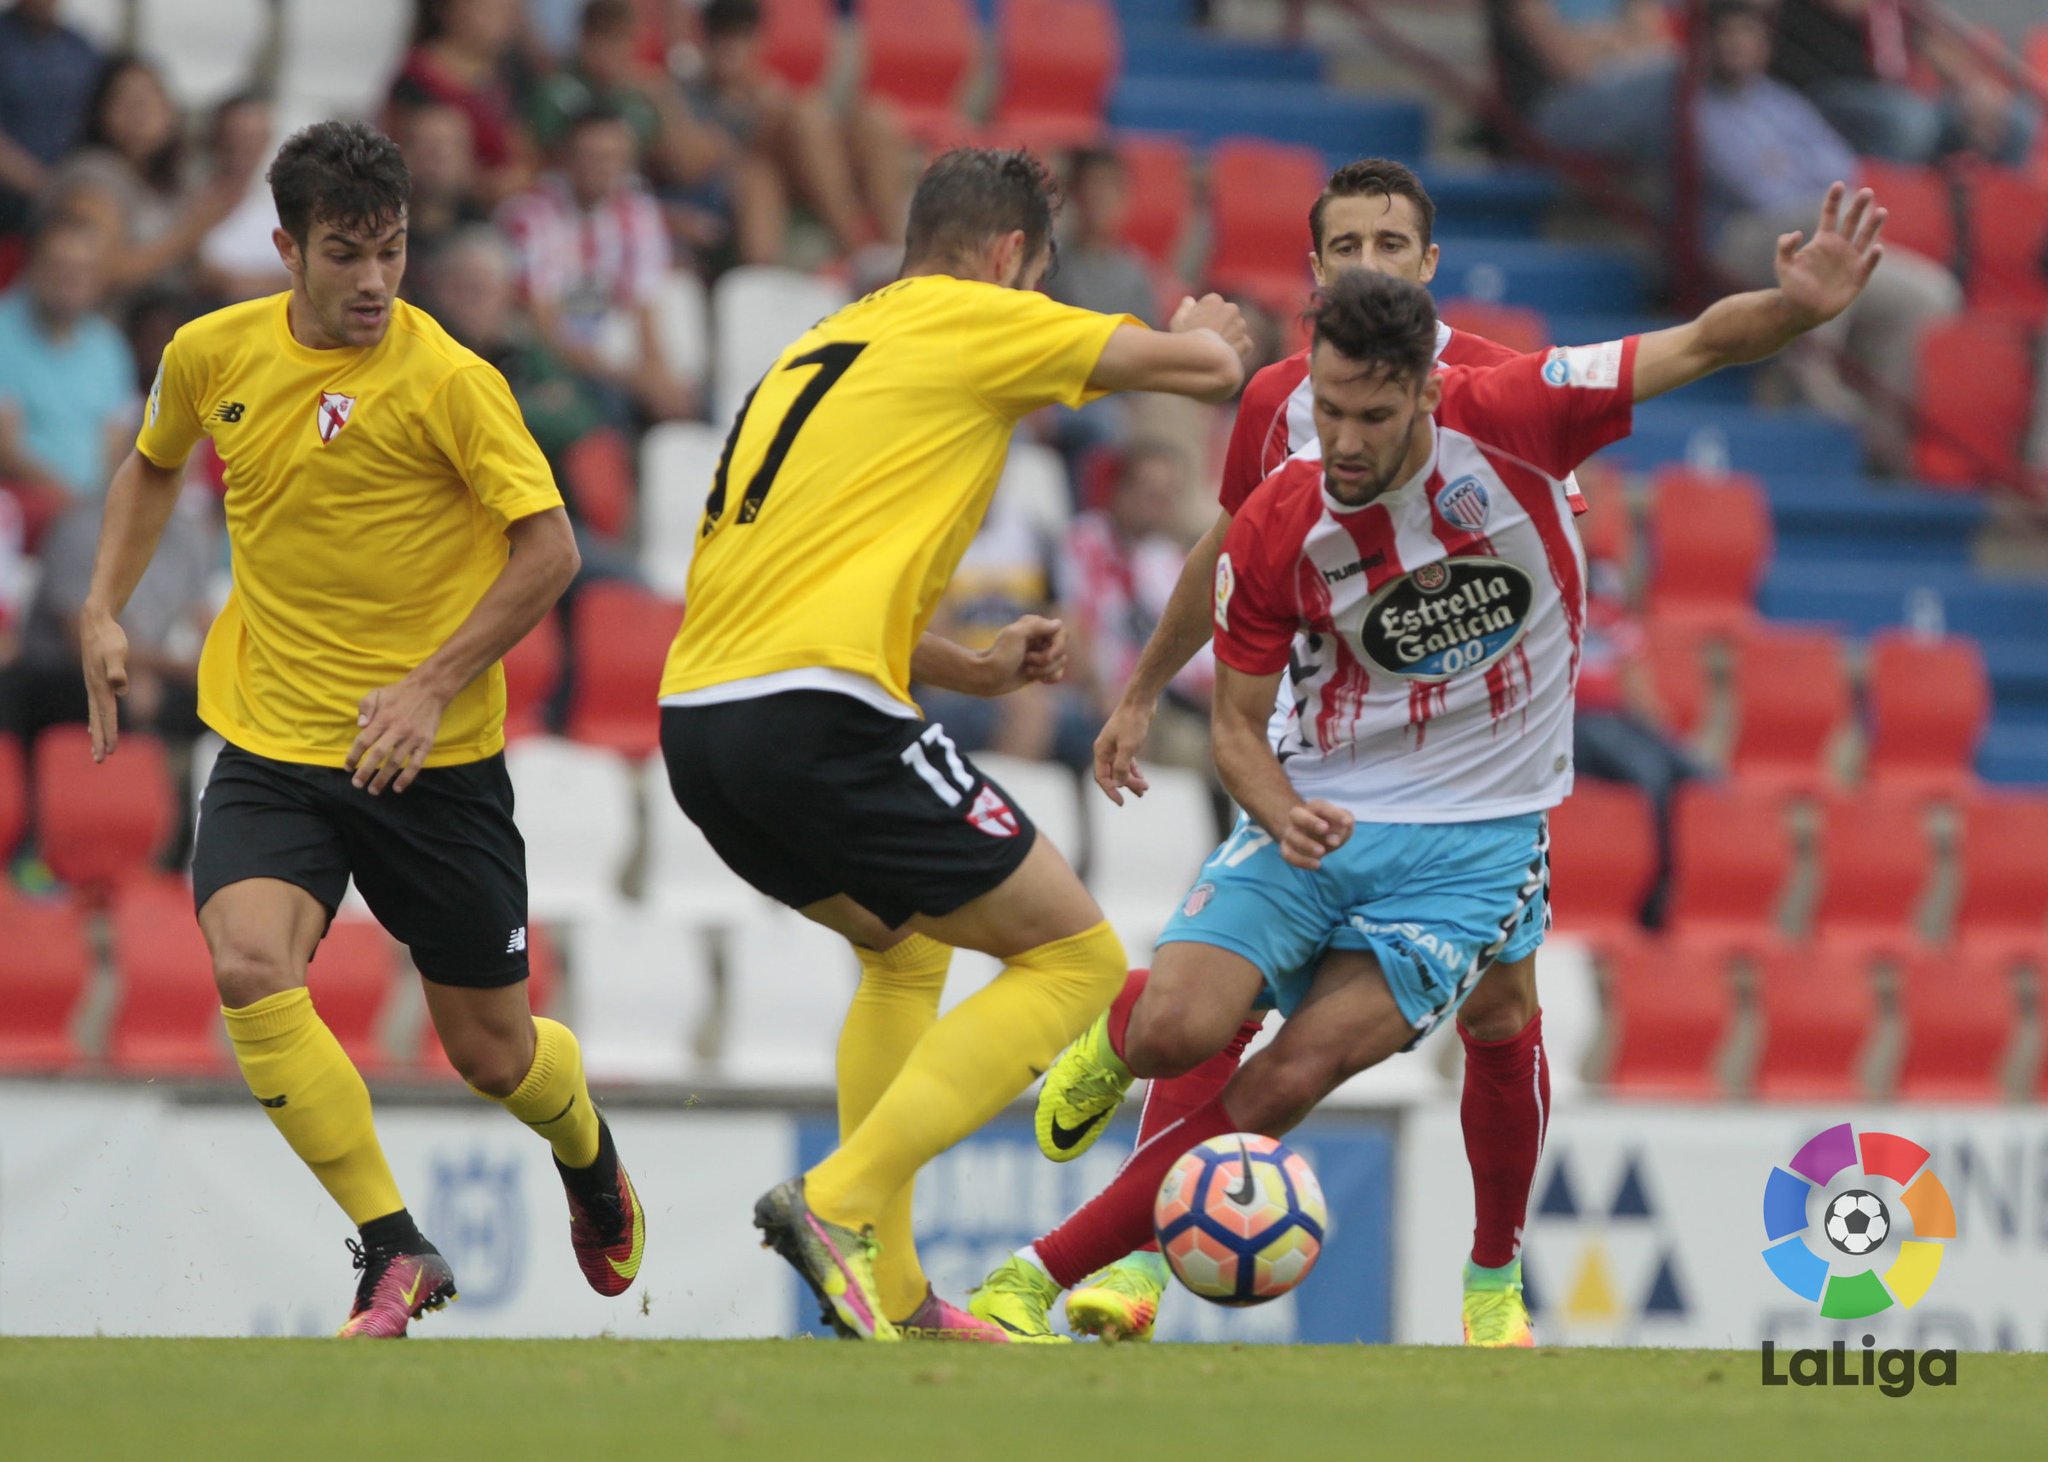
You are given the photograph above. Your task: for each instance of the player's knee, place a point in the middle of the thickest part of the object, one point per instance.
(494, 1065)
(1502, 1004)
(1167, 1039)
(248, 970)
(1274, 1095)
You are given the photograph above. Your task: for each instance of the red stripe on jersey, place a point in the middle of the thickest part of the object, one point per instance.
(1536, 493)
(1425, 703)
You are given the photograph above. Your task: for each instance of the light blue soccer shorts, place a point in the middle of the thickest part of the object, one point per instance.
(1434, 903)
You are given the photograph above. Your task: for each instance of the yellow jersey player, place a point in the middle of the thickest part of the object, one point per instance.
(395, 531)
(852, 482)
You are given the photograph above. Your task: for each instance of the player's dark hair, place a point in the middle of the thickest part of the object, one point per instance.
(1373, 177)
(347, 175)
(1384, 324)
(974, 194)
(722, 18)
(1086, 160)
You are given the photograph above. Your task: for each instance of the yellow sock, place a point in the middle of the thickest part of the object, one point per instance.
(898, 1001)
(969, 1067)
(314, 1095)
(554, 1100)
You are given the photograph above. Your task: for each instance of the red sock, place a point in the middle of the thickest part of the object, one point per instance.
(1167, 1101)
(1120, 1008)
(1505, 1110)
(1119, 1218)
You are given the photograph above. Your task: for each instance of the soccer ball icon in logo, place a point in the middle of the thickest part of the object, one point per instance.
(1856, 1222)
(1241, 1219)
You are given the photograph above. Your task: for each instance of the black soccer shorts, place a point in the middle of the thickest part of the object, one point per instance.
(441, 865)
(808, 794)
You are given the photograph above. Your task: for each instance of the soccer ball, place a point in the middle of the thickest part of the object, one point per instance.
(1241, 1219)
(1857, 1222)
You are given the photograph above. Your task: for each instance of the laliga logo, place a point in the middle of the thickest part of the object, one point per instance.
(1856, 1221)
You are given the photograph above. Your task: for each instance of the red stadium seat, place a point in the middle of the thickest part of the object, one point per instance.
(1819, 1011)
(350, 980)
(2003, 870)
(45, 967)
(1960, 1010)
(1876, 860)
(2008, 241)
(1792, 701)
(1710, 543)
(1675, 655)
(1919, 204)
(542, 978)
(1259, 197)
(1732, 854)
(98, 825)
(598, 477)
(531, 671)
(1672, 1007)
(1608, 528)
(1059, 58)
(1976, 392)
(621, 636)
(1518, 328)
(168, 1021)
(1603, 858)
(919, 54)
(1929, 700)
(796, 40)
(13, 796)
(1160, 198)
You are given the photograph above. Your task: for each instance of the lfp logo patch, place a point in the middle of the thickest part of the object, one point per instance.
(1859, 1223)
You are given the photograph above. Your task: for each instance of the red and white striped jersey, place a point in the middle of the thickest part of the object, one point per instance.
(1275, 419)
(585, 262)
(1431, 638)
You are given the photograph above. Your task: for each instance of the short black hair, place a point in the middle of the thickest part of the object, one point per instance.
(162, 169)
(1086, 160)
(347, 175)
(1381, 322)
(606, 17)
(974, 194)
(722, 18)
(597, 114)
(1370, 177)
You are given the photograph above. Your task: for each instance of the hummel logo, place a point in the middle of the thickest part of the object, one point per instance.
(276, 1101)
(517, 943)
(229, 412)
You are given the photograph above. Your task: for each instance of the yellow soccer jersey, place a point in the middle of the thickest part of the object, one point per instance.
(367, 496)
(858, 473)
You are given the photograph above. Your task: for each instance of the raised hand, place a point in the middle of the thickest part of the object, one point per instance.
(1822, 277)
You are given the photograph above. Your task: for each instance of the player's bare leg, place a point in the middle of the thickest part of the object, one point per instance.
(1505, 1109)
(532, 1067)
(1062, 965)
(262, 933)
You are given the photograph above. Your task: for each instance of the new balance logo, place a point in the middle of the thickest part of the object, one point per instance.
(273, 1102)
(229, 412)
(517, 943)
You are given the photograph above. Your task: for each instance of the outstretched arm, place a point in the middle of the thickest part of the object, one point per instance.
(1816, 282)
(1029, 649)
(1202, 353)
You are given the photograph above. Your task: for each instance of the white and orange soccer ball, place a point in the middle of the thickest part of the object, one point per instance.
(1241, 1219)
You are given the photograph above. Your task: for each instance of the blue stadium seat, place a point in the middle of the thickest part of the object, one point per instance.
(1192, 55)
(1486, 202)
(1854, 518)
(1851, 596)
(1792, 441)
(1554, 278)
(1305, 116)
(2014, 754)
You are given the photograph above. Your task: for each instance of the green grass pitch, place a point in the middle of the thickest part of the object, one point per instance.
(800, 1400)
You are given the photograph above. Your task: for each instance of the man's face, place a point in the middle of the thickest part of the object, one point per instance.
(606, 56)
(600, 160)
(1376, 231)
(349, 279)
(733, 61)
(438, 152)
(1148, 497)
(1100, 198)
(1740, 48)
(1367, 424)
(473, 296)
(67, 278)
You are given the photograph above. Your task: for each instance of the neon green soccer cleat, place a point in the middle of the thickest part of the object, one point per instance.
(1018, 1296)
(1081, 1093)
(1122, 1301)
(1495, 1316)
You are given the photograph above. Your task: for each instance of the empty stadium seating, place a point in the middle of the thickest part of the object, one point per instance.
(532, 669)
(1876, 862)
(1960, 1010)
(1258, 197)
(685, 881)
(1160, 195)
(1144, 855)
(1709, 542)
(576, 808)
(336, 60)
(919, 54)
(1976, 392)
(1733, 854)
(621, 636)
(1928, 701)
(678, 459)
(641, 994)
(1603, 857)
(1819, 1012)
(100, 824)
(788, 983)
(2003, 860)
(1792, 702)
(1047, 792)
(1919, 204)
(1515, 326)
(13, 795)
(1058, 58)
(45, 970)
(2008, 220)
(1674, 653)
(597, 476)
(208, 52)
(1673, 1008)
(796, 40)
(167, 1017)
(351, 980)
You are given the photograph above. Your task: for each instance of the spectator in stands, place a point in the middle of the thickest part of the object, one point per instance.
(239, 259)
(851, 170)
(671, 145)
(47, 72)
(1595, 77)
(1098, 271)
(130, 181)
(463, 56)
(67, 383)
(1122, 562)
(1854, 60)
(1010, 570)
(13, 581)
(445, 202)
(1764, 152)
(594, 256)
